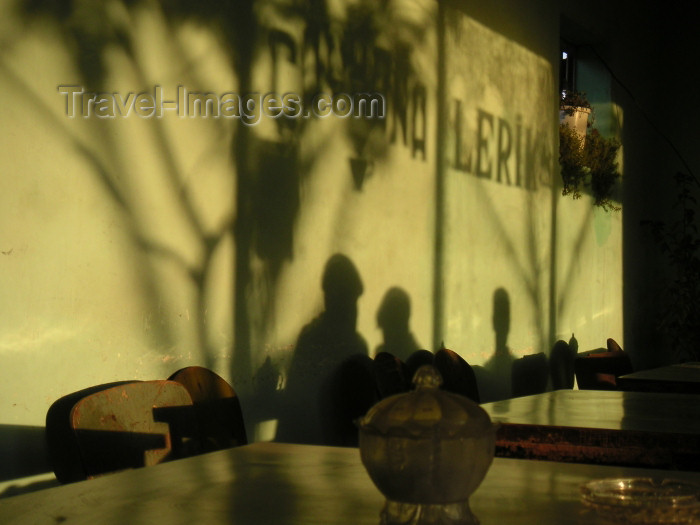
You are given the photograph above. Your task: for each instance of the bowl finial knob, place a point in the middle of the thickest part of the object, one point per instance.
(427, 376)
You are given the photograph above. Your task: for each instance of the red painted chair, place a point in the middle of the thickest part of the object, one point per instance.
(138, 424)
(599, 369)
(116, 426)
(64, 454)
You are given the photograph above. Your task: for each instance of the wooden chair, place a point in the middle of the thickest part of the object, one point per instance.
(135, 424)
(612, 345)
(216, 407)
(390, 375)
(561, 366)
(529, 375)
(348, 394)
(416, 360)
(64, 453)
(115, 426)
(599, 369)
(457, 375)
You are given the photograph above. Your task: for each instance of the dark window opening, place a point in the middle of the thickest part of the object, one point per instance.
(567, 68)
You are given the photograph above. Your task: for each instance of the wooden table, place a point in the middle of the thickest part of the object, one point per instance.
(603, 427)
(279, 484)
(680, 379)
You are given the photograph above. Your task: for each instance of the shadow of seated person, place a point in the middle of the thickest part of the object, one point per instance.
(498, 368)
(393, 319)
(329, 382)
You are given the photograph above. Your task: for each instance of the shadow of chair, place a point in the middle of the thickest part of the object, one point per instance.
(529, 375)
(390, 374)
(457, 375)
(561, 366)
(217, 409)
(117, 426)
(599, 369)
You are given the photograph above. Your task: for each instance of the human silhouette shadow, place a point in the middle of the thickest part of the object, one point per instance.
(393, 319)
(329, 382)
(494, 377)
(391, 357)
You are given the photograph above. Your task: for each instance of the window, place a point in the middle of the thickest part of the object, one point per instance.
(567, 68)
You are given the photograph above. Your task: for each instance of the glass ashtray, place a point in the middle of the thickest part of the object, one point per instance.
(644, 500)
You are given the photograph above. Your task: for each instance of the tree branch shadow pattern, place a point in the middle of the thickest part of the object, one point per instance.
(363, 49)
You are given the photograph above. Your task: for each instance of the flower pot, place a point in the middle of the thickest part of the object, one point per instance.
(575, 118)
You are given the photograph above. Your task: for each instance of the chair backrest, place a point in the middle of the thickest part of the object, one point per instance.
(216, 406)
(599, 370)
(416, 360)
(64, 453)
(131, 425)
(561, 366)
(348, 394)
(612, 345)
(390, 375)
(457, 376)
(529, 375)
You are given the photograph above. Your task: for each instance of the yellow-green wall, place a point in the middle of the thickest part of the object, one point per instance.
(119, 241)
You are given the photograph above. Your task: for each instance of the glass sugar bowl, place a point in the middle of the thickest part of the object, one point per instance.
(427, 451)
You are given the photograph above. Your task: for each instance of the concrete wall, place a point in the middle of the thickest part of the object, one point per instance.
(132, 247)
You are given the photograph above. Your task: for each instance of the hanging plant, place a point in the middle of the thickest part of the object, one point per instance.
(600, 156)
(571, 101)
(587, 159)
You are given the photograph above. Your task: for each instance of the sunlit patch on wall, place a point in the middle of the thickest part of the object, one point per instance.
(500, 155)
